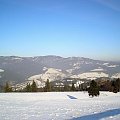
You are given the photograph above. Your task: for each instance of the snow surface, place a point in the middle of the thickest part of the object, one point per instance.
(91, 75)
(51, 74)
(99, 69)
(1, 70)
(106, 64)
(70, 70)
(117, 75)
(113, 66)
(59, 106)
(17, 58)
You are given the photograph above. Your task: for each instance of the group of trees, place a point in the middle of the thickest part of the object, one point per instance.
(115, 85)
(28, 88)
(49, 87)
(112, 86)
(31, 88)
(93, 89)
(8, 88)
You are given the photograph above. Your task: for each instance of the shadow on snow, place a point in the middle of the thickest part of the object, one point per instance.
(99, 116)
(71, 97)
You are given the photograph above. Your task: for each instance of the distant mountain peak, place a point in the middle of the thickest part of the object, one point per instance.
(18, 69)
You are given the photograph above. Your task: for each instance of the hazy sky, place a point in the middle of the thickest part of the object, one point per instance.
(87, 28)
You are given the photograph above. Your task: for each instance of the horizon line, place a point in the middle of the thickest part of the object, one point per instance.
(59, 56)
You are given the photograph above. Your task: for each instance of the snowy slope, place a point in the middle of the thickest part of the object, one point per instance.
(40, 79)
(1, 70)
(59, 106)
(90, 75)
(98, 69)
(117, 75)
(51, 74)
(56, 74)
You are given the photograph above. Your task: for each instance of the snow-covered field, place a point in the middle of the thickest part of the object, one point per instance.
(59, 106)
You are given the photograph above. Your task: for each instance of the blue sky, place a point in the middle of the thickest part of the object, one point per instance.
(87, 28)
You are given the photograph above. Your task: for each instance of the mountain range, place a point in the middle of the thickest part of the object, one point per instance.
(20, 69)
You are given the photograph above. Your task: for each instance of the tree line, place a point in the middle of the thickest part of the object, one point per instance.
(112, 86)
(93, 89)
(33, 88)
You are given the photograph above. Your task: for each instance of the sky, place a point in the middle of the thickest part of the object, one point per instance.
(81, 28)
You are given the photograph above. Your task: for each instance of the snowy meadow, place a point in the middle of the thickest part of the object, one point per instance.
(59, 106)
